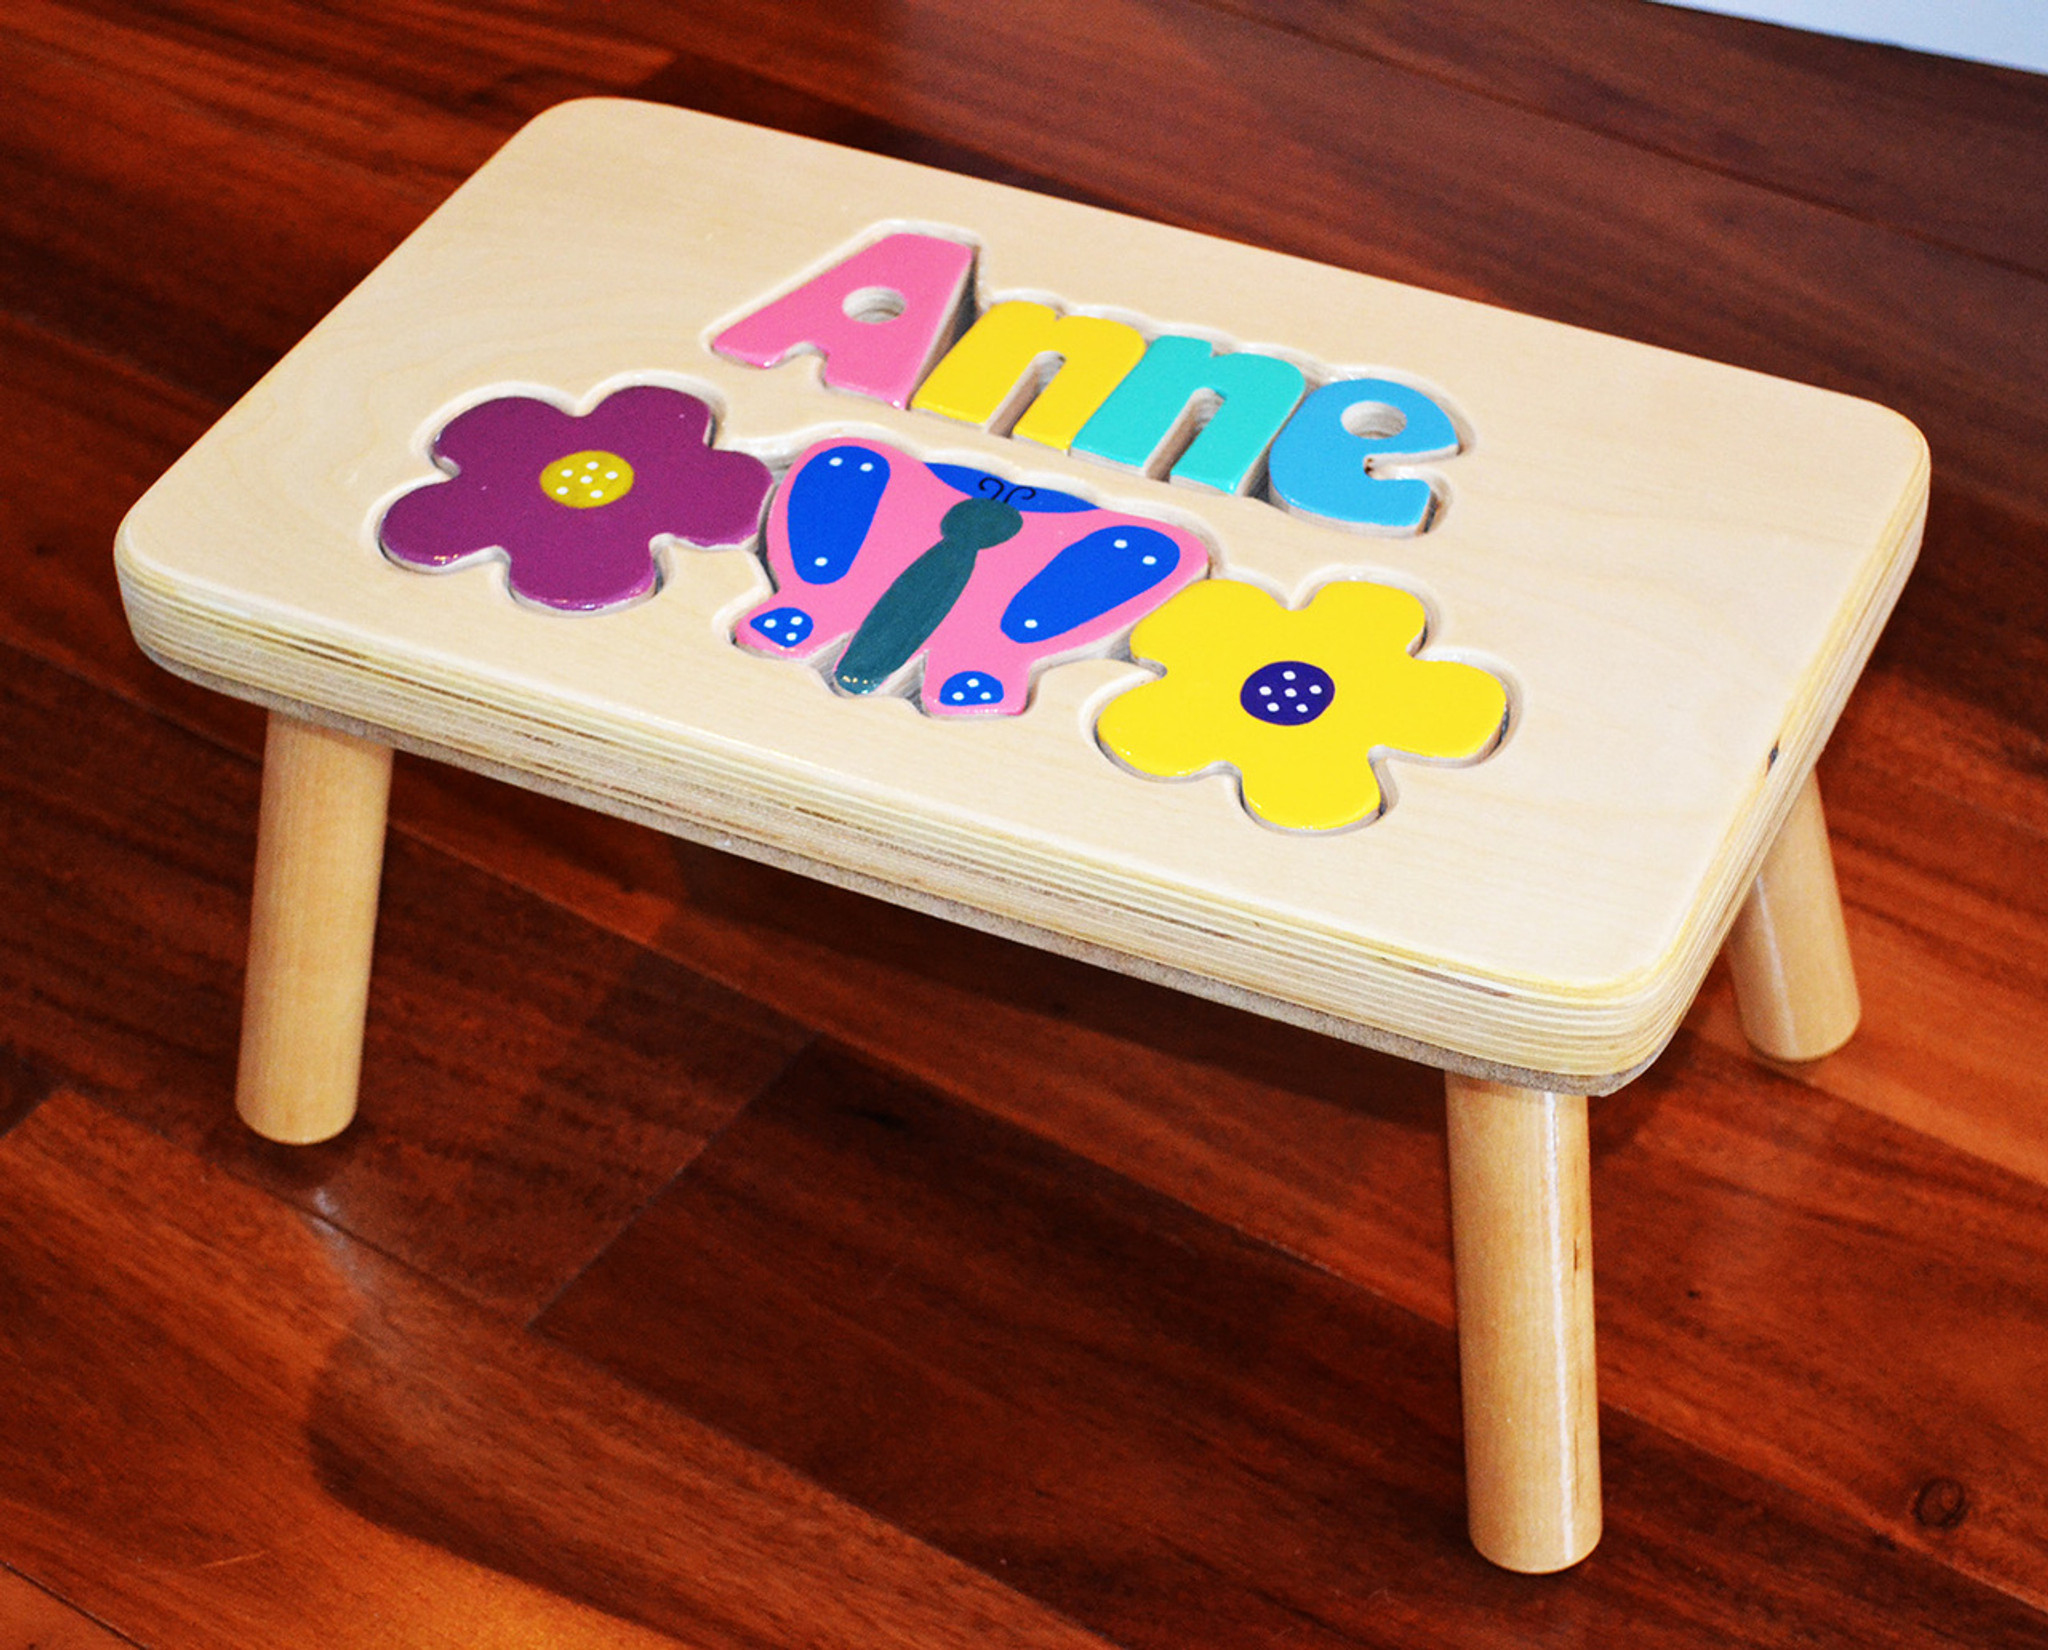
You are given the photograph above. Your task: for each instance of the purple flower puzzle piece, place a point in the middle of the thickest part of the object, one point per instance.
(575, 503)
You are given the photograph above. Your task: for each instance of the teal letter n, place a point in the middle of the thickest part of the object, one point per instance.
(1179, 383)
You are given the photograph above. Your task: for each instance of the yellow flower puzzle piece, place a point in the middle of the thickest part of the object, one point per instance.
(1297, 700)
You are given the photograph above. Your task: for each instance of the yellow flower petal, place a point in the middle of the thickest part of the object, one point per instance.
(1214, 623)
(1438, 708)
(1306, 779)
(1357, 622)
(1168, 728)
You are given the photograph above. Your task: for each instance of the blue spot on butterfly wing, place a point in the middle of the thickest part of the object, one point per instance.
(1084, 581)
(975, 483)
(972, 688)
(832, 502)
(785, 626)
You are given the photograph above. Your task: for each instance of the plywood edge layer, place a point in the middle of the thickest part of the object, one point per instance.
(931, 904)
(1330, 982)
(1809, 724)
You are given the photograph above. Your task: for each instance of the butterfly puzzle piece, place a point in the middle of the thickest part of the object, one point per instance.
(983, 578)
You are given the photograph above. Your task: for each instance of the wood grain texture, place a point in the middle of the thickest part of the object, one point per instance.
(24, 1085)
(1806, 1288)
(1666, 80)
(1826, 1282)
(1174, 1436)
(312, 925)
(1938, 812)
(1788, 953)
(30, 1619)
(128, 980)
(395, 1469)
(1522, 1244)
(65, 604)
(377, 151)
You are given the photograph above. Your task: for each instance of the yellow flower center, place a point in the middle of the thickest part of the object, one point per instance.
(583, 481)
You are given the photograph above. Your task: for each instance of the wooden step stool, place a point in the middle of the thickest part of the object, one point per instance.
(1430, 675)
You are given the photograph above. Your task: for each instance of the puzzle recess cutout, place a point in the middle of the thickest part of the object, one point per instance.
(966, 581)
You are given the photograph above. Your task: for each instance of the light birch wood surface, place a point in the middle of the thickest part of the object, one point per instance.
(1677, 567)
(312, 924)
(1795, 982)
(1522, 1240)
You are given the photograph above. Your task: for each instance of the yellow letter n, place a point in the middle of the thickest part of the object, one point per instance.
(1062, 366)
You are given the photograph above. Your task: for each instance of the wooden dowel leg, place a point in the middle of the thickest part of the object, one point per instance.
(1795, 985)
(319, 856)
(1522, 1239)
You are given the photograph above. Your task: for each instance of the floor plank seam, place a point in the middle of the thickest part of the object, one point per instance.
(76, 1609)
(25, 1083)
(1698, 163)
(96, 1096)
(208, 406)
(670, 84)
(755, 1452)
(148, 707)
(655, 1192)
(1816, 1510)
(1609, 1406)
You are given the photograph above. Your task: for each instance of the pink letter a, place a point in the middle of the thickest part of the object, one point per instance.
(878, 317)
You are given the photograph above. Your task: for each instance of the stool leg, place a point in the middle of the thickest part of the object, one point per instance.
(1522, 1241)
(1795, 985)
(319, 854)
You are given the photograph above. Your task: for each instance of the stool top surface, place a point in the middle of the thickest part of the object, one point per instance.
(1564, 619)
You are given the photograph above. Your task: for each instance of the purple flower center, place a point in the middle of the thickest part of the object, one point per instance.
(1288, 693)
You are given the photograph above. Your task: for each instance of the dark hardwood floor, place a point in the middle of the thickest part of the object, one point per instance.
(720, 1259)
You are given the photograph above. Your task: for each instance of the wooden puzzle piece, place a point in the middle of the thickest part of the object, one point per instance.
(1095, 386)
(982, 577)
(575, 503)
(1323, 464)
(1001, 364)
(1297, 701)
(878, 317)
(1241, 397)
